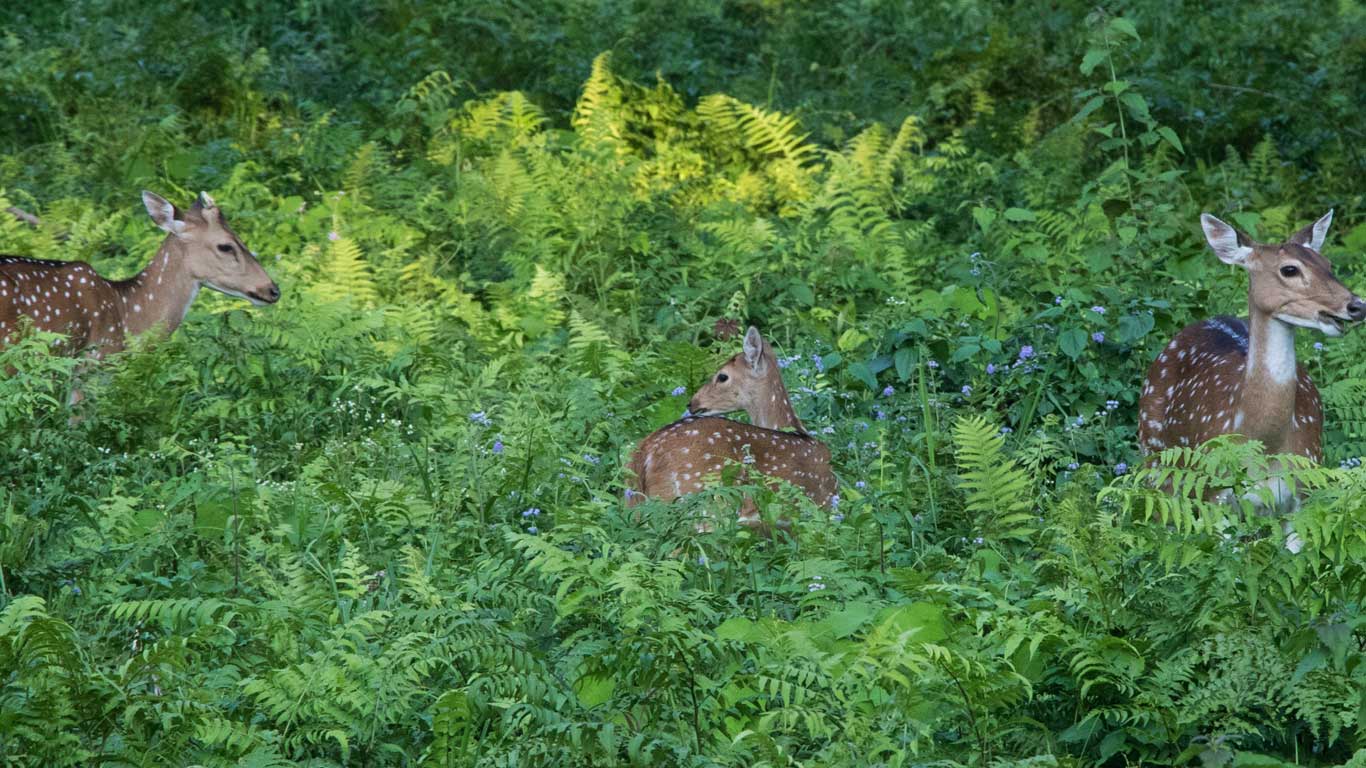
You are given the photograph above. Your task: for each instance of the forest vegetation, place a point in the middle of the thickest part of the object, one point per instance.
(382, 522)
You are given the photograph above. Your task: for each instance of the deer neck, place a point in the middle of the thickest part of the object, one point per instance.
(1269, 385)
(159, 295)
(771, 409)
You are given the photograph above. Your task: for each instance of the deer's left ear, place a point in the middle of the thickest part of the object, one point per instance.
(163, 214)
(1227, 242)
(754, 350)
(1312, 236)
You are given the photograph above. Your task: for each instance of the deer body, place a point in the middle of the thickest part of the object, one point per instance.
(682, 457)
(97, 315)
(1217, 378)
(1231, 376)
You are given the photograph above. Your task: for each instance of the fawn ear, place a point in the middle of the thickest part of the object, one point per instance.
(1312, 236)
(754, 350)
(163, 213)
(1227, 242)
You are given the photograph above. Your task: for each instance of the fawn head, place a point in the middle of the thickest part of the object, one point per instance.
(741, 381)
(1290, 281)
(212, 252)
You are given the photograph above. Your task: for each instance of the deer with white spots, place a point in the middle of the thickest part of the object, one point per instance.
(1232, 376)
(97, 315)
(682, 457)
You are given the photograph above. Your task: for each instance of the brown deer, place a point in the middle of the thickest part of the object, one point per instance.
(97, 315)
(680, 458)
(1231, 376)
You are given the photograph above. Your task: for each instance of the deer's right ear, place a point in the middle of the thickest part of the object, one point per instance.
(1225, 241)
(162, 213)
(754, 350)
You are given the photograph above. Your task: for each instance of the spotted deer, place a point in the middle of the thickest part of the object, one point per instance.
(682, 457)
(97, 315)
(1232, 376)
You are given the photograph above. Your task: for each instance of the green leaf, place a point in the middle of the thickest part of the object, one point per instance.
(740, 628)
(595, 688)
(905, 360)
(1091, 60)
(844, 622)
(1134, 327)
(1072, 342)
(1138, 106)
(925, 620)
(1124, 27)
(1171, 138)
(1019, 214)
(1090, 106)
(861, 372)
(984, 218)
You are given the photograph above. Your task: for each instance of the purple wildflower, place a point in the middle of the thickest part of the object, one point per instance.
(991, 369)
(1026, 352)
(1318, 345)
(933, 363)
(480, 418)
(888, 391)
(1073, 466)
(967, 390)
(1121, 468)
(818, 362)
(679, 391)
(1098, 337)
(1098, 310)
(1006, 430)
(333, 236)
(497, 447)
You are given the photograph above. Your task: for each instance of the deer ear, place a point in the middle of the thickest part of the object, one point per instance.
(1227, 242)
(205, 201)
(754, 350)
(163, 213)
(1312, 236)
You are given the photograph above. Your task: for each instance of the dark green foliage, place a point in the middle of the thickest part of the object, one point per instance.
(381, 523)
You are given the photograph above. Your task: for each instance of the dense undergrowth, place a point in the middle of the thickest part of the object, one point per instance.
(381, 523)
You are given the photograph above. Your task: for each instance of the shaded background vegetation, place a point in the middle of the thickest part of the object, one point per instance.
(380, 523)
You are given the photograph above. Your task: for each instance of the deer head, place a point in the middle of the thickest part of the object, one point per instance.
(751, 382)
(1290, 281)
(212, 253)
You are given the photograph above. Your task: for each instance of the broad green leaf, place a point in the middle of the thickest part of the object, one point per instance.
(1092, 59)
(1124, 26)
(1072, 342)
(1171, 138)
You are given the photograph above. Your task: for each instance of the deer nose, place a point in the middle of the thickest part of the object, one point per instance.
(272, 294)
(1356, 309)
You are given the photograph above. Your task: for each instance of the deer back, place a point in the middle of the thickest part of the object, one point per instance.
(682, 457)
(66, 297)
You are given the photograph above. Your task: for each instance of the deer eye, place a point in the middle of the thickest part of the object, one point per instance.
(1289, 270)
(225, 248)
(722, 378)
